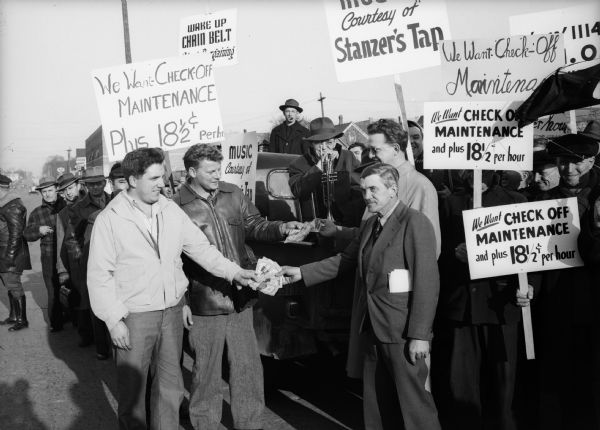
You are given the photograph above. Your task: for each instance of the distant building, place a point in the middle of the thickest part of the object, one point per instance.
(353, 132)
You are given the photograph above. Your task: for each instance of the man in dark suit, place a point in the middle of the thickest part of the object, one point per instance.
(287, 137)
(398, 283)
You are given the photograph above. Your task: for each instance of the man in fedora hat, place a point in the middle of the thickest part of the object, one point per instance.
(307, 180)
(42, 225)
(14, 254)
(90, 328)
(287, 137)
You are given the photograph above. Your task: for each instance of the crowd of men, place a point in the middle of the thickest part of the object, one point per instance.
(135, 268)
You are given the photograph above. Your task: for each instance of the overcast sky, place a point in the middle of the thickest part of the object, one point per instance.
(48, 49)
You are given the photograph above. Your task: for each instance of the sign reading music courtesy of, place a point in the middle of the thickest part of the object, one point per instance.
(475, 135)
(168, 103)
(525, 237)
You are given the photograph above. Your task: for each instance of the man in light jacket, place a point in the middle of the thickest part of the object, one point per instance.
(136, 286)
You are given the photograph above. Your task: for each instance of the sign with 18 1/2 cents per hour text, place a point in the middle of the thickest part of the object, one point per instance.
(475, 135)
(168, 103)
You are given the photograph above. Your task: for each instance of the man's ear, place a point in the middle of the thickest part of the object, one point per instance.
(132, 181)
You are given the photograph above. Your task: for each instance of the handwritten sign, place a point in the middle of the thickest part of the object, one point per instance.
(383, 37)
(552, 126)
(213, 33)
(168, 103)
(525, 237)
(579, 26)
(240, 152)
(507, 68)
(475, 135)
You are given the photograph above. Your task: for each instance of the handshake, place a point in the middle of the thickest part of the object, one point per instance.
(270, 276)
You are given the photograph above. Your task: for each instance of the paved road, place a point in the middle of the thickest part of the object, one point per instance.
(47, 382)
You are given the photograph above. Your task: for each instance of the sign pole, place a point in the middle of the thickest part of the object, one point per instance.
(477, 188)
(404, 122)
(526, 311)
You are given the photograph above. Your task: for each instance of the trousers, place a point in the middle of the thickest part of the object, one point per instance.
(55, 311)
(12, 282)
(208, 337)
(156, 338)
(394, 394)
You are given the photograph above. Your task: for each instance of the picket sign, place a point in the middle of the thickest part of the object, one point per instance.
(523, 283)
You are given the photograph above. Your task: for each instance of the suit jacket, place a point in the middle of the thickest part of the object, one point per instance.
(292, 144)
(407, 242)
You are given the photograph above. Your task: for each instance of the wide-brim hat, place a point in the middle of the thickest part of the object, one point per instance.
(45, 182)
(291, 103)
(592, 130)
(322, 129)
(93, 174)
(577, 146)
(65, 180)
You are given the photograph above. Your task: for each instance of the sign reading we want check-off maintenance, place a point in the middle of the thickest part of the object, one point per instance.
(168, 103)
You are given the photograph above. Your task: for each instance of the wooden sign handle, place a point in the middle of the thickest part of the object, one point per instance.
(527, 327)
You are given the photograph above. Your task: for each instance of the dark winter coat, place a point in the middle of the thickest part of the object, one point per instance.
(14, 252)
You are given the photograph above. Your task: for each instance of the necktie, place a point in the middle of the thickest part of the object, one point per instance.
(377, 227)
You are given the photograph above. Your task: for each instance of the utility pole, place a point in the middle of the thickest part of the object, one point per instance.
(126, 31)
(69, 160)
(321, 98)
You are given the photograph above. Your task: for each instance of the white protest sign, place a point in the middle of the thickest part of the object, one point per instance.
(379, 38)
(506, 68)
(552, 125)
(214, 34)
(475, 135)
(579, 25)
(524, 237)
(240, 153)
(168, 103)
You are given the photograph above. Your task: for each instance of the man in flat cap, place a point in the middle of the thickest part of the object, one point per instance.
(568, 302)
(287, 137)
(90, 328)
(69, 186)
(308, 180)
(545, 176)
(14, 254)
(42, 225)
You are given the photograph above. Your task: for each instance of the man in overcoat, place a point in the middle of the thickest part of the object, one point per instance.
(90, 328)
(308, 182)
(14, 254)
(287, 137)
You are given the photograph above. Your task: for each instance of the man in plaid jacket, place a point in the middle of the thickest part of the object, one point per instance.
(42, 225)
